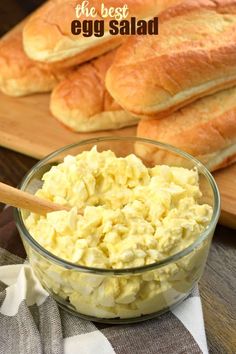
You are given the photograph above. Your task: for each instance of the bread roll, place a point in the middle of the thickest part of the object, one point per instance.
(164, 5)
(193, 56)
(205, 129)
(82, 103)
(48, 38)
(19, 75)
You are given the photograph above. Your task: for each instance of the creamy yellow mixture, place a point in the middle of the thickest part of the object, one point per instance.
(133, 216)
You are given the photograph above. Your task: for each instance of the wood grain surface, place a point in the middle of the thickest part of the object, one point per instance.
(27, 121)
(20, 113)
(218, 285)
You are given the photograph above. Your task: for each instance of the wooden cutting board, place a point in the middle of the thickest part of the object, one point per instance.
(27, 126)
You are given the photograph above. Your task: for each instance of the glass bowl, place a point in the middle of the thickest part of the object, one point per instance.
(159, 286)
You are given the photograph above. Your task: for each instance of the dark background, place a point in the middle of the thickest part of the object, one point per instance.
(13, 11)
(218, 285)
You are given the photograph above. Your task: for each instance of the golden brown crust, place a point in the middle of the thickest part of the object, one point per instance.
(47, 35)
(193, 56)
(164, 5)
(225, 163)
(204, 129)
(19, 75)
(86, 55)
(82, 103)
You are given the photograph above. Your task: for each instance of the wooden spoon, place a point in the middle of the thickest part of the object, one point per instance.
(19, 199)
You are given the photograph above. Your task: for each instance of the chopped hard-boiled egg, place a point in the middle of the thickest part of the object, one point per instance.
(132, 216)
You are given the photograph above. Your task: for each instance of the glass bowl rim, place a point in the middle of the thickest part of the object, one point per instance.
(123, 271)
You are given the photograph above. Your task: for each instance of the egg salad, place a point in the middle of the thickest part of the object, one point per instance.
(132, 216)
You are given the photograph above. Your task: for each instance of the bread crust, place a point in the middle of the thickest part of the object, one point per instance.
(21, 76)
(204, 129)
(83, 104)
(54, 42)
(193, 56)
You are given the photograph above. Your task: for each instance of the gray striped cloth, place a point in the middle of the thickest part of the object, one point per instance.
(32, 323)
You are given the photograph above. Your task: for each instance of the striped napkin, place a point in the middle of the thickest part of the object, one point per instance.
(32, 323)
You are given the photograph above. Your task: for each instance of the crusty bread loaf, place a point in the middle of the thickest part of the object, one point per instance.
(193, 56)
(82, 103)
(19, 75)
(47, 35)
(205, 129)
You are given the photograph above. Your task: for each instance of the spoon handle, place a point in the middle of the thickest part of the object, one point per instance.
(23, 200)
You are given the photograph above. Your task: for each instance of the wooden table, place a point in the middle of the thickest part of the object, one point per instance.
(218, 285)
